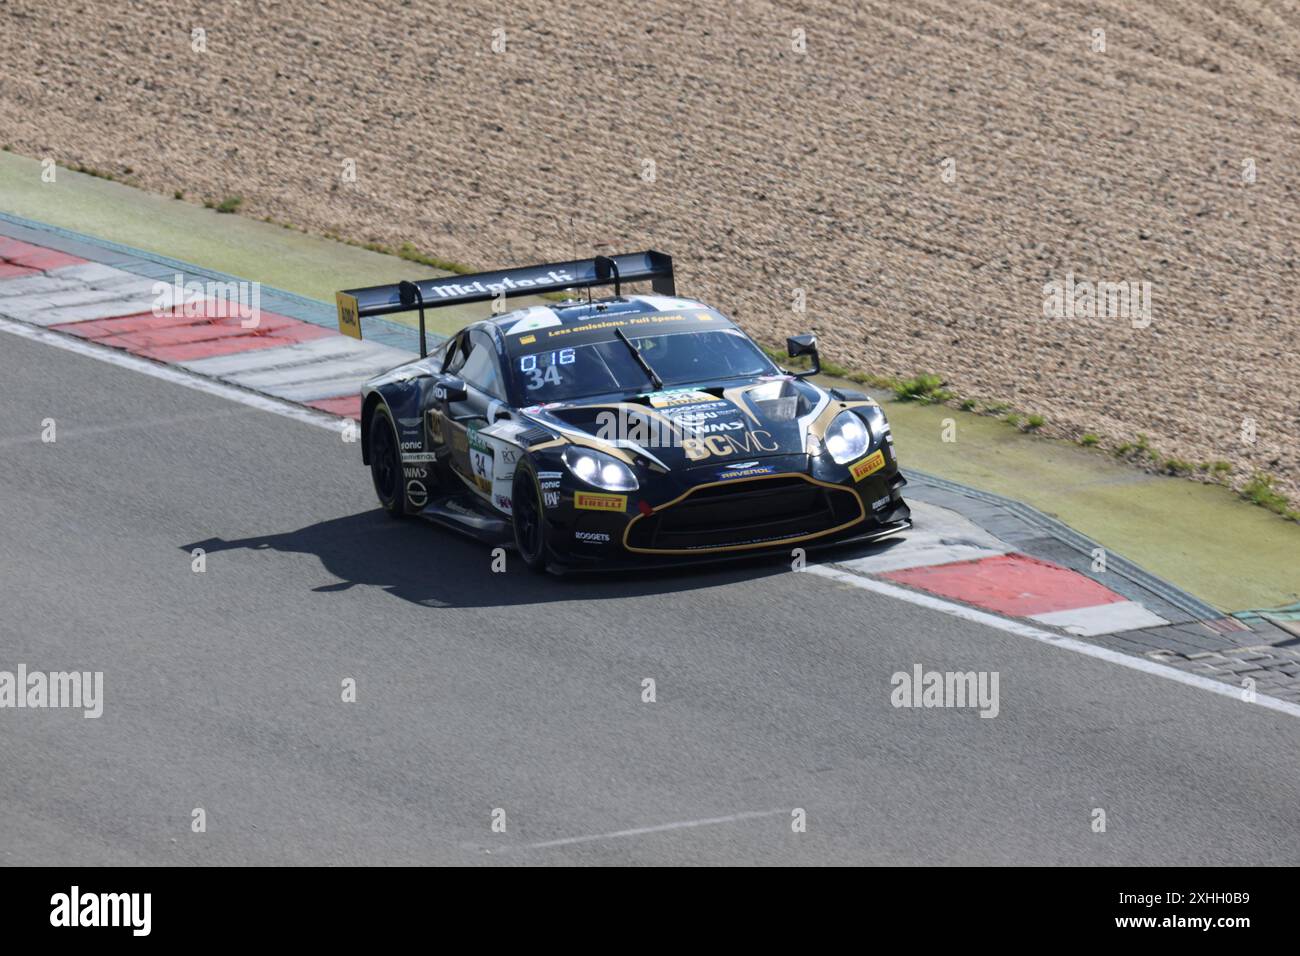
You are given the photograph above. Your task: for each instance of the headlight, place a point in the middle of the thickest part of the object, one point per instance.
(599, 470)
(847, 438)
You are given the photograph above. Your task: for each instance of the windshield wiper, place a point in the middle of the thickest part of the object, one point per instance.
(640, 360)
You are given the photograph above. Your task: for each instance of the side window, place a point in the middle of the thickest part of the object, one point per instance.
(438, 355)
(456, 355)
(481, 367)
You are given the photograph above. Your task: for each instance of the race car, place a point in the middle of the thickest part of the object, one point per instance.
(620, 431)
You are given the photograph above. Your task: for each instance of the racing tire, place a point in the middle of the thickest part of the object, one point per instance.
(386, 464)
(528, 516)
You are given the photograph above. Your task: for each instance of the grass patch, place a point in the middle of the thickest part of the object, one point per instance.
(178, 194)
(925, 387)
(230, 204)
(92, 171)
(1140, 448)
(1034, 422)
(410, 253)
(802, 363)
(1012, 419)
(1260, 491)
(968, 405)
(1176, 466)
(1088, 439)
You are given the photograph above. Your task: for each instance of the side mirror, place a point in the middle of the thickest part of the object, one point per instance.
(805, 344)
(449, 389)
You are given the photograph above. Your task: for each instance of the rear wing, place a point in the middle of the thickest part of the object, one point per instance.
(356, 304)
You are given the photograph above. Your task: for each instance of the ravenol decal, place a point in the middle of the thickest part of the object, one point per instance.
(349, 314)
(753, 470)
(590, 502)
(867, 466)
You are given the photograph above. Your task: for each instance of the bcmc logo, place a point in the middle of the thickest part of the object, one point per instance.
(721, 446)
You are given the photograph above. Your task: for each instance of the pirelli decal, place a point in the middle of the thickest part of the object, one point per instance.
(349, 315)
(867, 466)
(590, 502)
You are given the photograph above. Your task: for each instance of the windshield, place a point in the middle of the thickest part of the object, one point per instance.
(595, 368)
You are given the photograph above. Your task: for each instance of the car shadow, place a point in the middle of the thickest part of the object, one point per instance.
(434, 567)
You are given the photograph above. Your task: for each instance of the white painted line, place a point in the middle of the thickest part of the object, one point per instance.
(90, 295)
(1102, 619)
(94, 273)
(36, 312)
(66, 277)
(641, 831)
(176, 376)
(281, 356)
(360, 368)
(317, 391)
(37, 284)
(1056, 640)
(104, 297)
(937, 536)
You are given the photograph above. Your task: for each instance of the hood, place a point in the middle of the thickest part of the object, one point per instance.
(695, 427)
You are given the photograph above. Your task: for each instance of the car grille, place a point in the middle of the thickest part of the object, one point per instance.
(745, 513)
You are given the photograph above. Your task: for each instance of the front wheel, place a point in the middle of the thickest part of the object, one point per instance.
(528, 517)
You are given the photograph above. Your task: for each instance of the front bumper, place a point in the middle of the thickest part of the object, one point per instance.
(702, 514)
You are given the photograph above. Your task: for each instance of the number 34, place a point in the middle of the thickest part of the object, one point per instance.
(538, 377)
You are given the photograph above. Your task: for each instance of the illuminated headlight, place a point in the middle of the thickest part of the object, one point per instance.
(599, 470)
(847, 438)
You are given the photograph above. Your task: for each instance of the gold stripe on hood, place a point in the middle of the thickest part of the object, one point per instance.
(736, 395)
(823, 422)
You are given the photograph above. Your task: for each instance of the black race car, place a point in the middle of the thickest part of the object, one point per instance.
(625, 430)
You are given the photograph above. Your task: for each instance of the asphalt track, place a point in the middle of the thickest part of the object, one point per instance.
(479, 690)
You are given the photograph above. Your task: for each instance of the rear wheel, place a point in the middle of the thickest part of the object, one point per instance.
(386, 464)
(528, 517)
